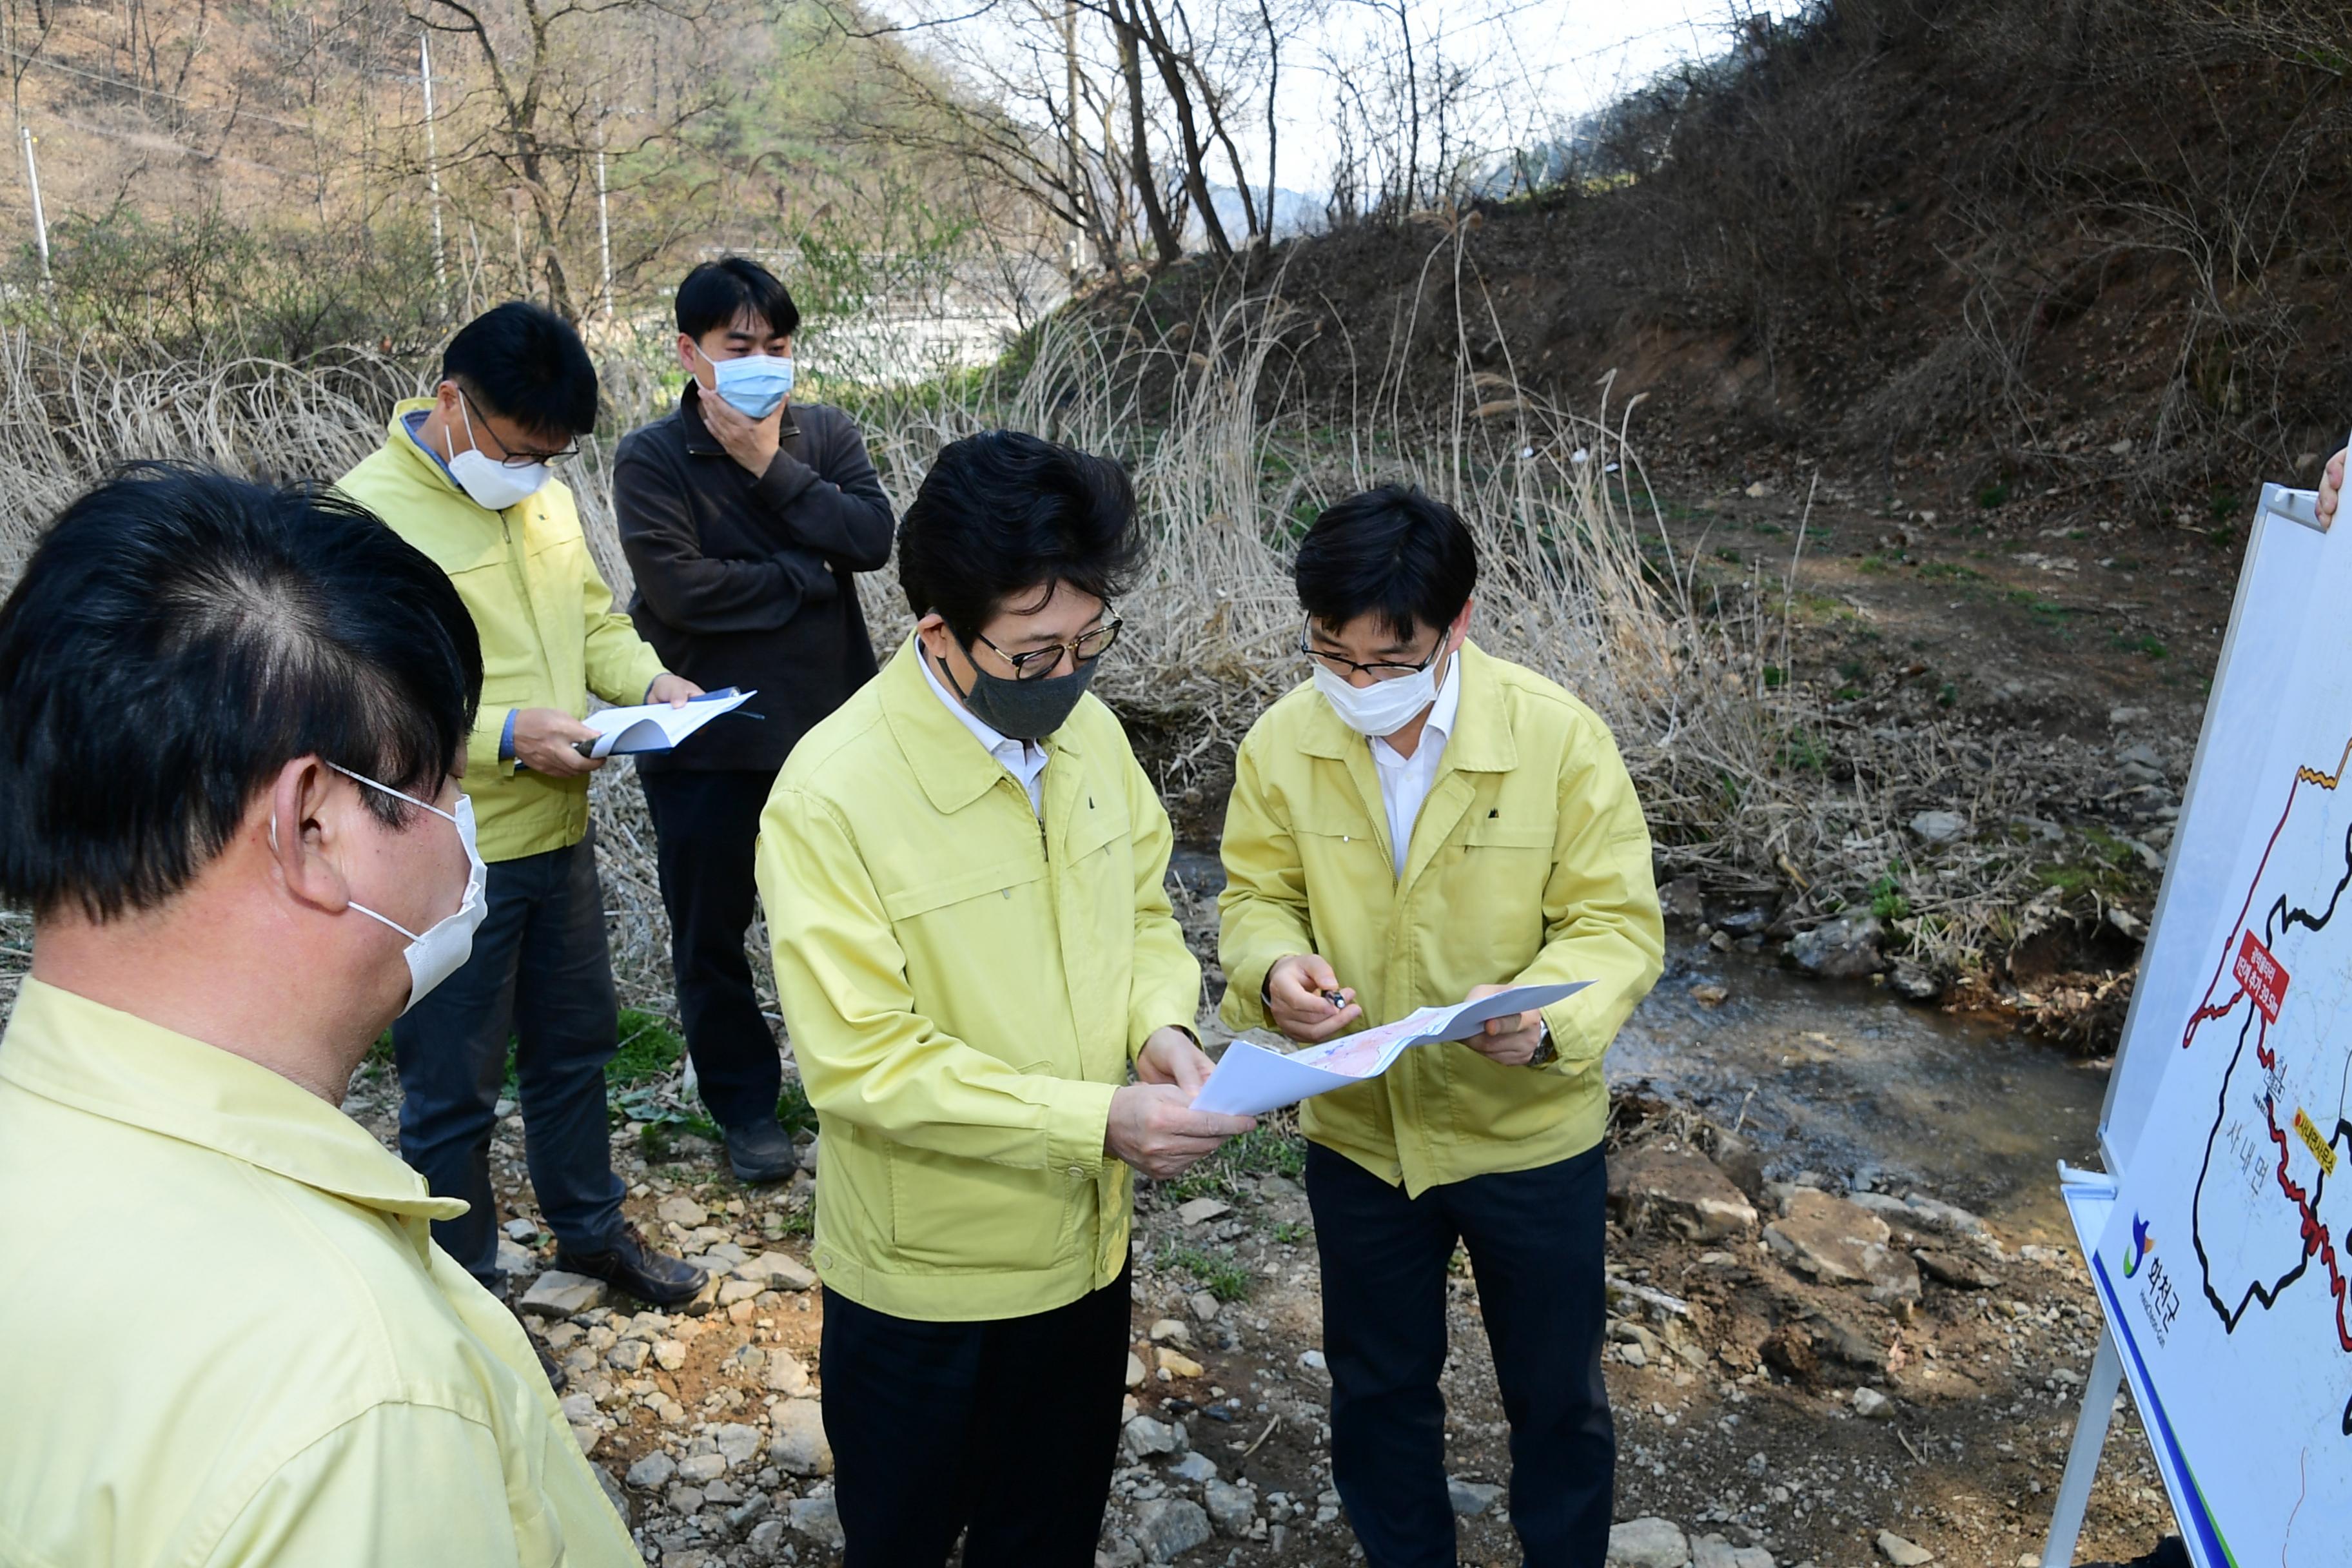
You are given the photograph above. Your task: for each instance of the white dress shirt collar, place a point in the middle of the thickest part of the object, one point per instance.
(1405, 781)
(1024, 760)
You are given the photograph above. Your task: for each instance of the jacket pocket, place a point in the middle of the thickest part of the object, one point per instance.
(968, 1216)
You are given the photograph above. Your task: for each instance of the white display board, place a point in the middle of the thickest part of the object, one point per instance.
(2223, 1264)
(2274, 593)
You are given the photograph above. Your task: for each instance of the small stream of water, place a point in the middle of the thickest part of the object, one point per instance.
(1850, 1081)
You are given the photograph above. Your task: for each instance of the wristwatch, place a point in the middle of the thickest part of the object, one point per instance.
(1545, 1056)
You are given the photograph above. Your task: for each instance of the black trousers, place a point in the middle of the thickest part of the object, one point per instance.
(705, 826)
(542, 975)
(1004, 1431)
(1535, 1244)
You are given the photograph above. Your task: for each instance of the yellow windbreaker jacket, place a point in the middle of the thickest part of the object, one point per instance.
(284, 1368)
(966, 984)
(549, 633)
(1529, 862)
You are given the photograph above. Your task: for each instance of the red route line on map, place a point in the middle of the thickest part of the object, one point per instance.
(2208, 1011)
(2314, 1235)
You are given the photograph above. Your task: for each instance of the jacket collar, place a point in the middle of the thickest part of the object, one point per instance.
(109, 1063)
(955, 769)
(402, 443)
(1480, 741)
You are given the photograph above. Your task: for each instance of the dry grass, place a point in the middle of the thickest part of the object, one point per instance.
(1745, 787)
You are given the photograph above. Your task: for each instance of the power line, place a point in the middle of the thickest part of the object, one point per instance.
(129, 85)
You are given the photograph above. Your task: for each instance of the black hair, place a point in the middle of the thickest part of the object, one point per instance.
(524, 362)
(1003, 514)
(717, 293)
(1392, 552)
(177, 638)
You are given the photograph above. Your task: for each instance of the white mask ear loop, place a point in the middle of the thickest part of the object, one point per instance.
(354, 903)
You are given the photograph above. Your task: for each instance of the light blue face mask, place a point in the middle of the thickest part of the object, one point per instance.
(752, 384)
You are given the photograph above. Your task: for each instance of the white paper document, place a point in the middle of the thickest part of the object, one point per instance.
(1251, 1078)
(657, 726)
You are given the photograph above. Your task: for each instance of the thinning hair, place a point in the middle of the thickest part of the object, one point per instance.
(177, 638)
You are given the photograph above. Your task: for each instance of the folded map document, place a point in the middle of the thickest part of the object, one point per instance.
(1251, 1077)
(657, 726)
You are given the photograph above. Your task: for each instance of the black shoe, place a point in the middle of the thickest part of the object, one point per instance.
(761, 1154)
(632, 1266)
(503, 1287)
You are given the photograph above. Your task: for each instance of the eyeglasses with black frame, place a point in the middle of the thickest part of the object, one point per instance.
(513, 460)
(1037, 663)
(1379, 669)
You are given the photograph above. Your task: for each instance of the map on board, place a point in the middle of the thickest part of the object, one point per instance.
(2224, 1263)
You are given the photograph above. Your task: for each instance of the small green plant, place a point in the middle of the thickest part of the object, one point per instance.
(1994, 495)
(1216, 1272)
(649, 1049)
(1775, 677)
(2145, 645)
(1290, 1232)
(1947, 694)
(1271, 1148)
(1802, 751)
(1886, 900)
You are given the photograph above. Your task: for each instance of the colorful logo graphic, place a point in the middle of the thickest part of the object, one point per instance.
(2142, 1244)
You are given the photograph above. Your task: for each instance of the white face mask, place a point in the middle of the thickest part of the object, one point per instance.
(491, 486)
(752, 383)
(441, 950)
(1384, 707)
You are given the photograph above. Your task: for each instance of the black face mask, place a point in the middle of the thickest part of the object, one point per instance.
(1021, 710)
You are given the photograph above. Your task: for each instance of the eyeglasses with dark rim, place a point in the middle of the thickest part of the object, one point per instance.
(514, 460)
(1378, 670)
(1037, 663)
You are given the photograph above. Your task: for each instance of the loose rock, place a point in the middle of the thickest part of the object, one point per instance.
(818, 1519)
(1471, 1499)
(1167, 1528)
(697, 1468)
(786, 1374)
(1195, 1468)
(1872, 1405)
(1679, 1190)
(1901, 1553)
(738, 1443)
(656, 1469)
(1176, 1363)
(1144, 1436)
(680, 1210)
(1940, 827)
(1648, 1543)
(1199, 1211)
(1135, 1373)
(556, 1294)
(1231, 1508)
(1201, 1305)
(1715, 1552)
(1842, 949)
(776, 1271)
(1839, 1243)
(798, 1445)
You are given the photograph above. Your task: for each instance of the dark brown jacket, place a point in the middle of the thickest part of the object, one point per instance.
(745, 581)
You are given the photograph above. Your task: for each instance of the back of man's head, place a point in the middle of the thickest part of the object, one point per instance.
(525, 363)
(178, 637)
(1002, 514)
(1394, 553)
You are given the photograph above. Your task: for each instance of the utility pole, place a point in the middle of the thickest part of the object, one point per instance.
(1070, 136)
(40, 220)
(604, 223)
(432, 170)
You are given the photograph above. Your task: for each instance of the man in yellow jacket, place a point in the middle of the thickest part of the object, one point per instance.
(963, 871)
(232, 725)
(1421, 824)
(463, 476)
